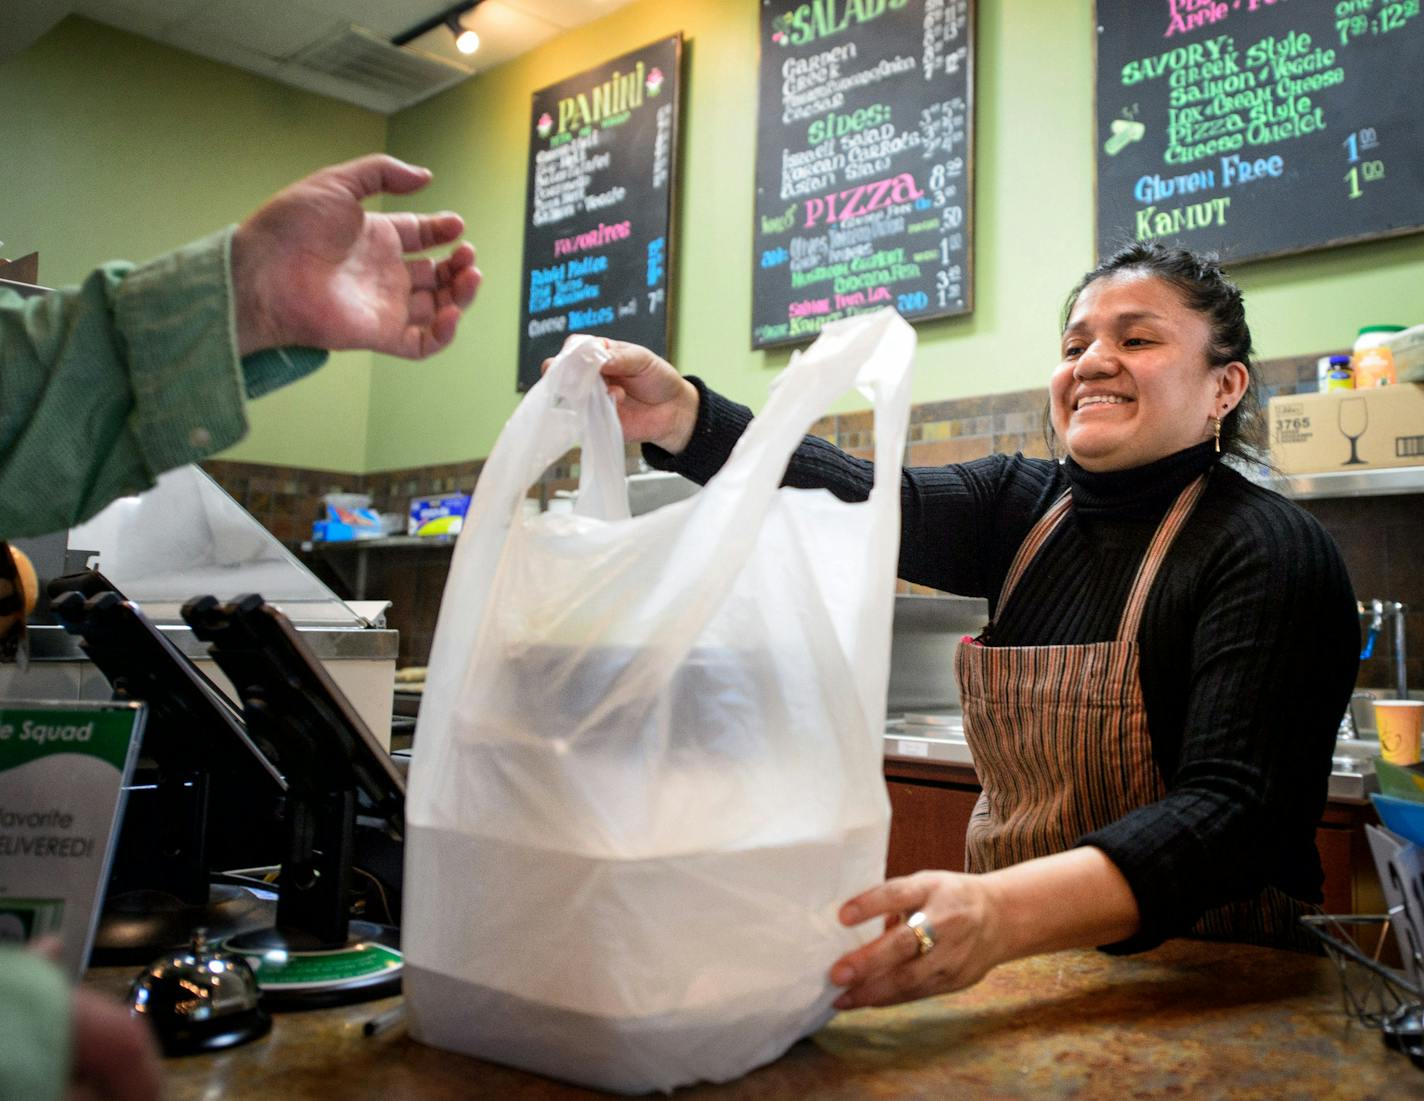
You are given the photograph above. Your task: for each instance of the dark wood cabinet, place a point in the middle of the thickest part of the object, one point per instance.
(931, 804)
(928, 820)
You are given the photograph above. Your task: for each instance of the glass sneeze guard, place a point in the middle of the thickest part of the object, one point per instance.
(187, 537)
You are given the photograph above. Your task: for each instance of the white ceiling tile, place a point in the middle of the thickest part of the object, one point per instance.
(253, 34)
(149, 23)
(161, 11)
(505, 32)
(270, 28)
(386, 17)
(198, 41)
(567, 13)
(322, 84)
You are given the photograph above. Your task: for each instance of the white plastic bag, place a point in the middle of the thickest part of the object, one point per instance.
(648, 764)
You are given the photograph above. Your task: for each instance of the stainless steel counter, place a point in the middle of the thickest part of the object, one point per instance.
(938, 737)
(328, 642)
(927, 736)
(361, 661)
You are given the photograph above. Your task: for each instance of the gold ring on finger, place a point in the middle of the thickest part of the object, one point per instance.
(924, 932)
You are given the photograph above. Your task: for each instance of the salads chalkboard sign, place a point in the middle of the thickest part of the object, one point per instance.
(598, 212)
(864, 163)
(1258, 127)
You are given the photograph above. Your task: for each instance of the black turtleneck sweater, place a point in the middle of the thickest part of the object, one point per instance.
(1249, 642)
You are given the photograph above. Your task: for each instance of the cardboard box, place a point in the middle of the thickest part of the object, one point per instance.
(1348, 429)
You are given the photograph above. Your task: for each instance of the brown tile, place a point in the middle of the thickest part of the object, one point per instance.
(932, 411)
(971, 426)
(1016, 422)
(1019, 401)
(861, 421)
(979, 406)
(1036, 447)
(948, 451)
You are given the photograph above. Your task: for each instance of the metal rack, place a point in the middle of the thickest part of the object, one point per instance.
(1375, 995)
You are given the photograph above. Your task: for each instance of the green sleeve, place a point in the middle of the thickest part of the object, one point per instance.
(34, 1027)
(106, 385)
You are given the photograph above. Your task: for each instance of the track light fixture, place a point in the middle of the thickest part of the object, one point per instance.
(466, 41)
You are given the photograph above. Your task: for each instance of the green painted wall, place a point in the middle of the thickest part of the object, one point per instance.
(114, 146)
(1034, 227)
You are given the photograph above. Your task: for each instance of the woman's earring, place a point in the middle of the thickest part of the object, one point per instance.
(1217, 423)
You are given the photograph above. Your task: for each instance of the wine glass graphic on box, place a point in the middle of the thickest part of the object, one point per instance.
(1354, 419)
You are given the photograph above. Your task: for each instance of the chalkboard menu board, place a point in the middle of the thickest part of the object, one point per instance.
(597, 246)
(1258, 127)
(864, 163)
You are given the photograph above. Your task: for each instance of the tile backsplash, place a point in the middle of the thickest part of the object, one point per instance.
(1381, 538)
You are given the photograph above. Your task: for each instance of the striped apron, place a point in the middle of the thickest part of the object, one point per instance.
(1060, 741)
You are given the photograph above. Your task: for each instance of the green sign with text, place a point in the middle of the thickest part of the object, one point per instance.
(63, 768)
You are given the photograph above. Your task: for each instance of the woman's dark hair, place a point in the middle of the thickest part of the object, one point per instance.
(1205, 290)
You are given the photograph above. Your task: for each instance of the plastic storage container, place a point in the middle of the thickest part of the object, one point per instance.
(1407, 347)
(1373, 360)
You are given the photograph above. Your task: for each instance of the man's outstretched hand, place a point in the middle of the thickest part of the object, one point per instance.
(313, 267)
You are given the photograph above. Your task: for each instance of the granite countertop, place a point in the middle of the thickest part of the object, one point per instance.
(1190, 1019)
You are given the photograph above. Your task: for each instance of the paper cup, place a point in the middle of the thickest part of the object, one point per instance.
(1399, 722)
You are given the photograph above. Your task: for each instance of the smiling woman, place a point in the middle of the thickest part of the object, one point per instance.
(1165, 332)
(1152, 708)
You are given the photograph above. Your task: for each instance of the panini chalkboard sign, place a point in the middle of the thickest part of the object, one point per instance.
(864, 163)
(602, 168)
(1258, 127)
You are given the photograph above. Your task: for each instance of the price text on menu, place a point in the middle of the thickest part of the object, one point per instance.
(602, 166)
(864, 163)
(1258, 127)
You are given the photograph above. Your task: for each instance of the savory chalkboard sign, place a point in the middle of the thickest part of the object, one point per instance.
(1258, 127)
(598, 214)
(864, 163)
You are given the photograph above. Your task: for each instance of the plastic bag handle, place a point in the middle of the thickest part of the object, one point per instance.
(569, 405)
(871, 354)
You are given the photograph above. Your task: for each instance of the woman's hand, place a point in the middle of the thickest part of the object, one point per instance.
(890, 968)
(655, 404)
(1072, 899)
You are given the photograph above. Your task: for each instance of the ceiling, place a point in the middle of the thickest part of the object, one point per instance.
(338, 48)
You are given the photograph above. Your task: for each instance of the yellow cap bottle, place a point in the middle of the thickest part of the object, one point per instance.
(1340, 377)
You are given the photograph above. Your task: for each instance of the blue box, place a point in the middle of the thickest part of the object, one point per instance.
(443, 515)
(343, 523)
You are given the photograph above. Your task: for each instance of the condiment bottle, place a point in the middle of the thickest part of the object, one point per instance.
(1340, 376)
